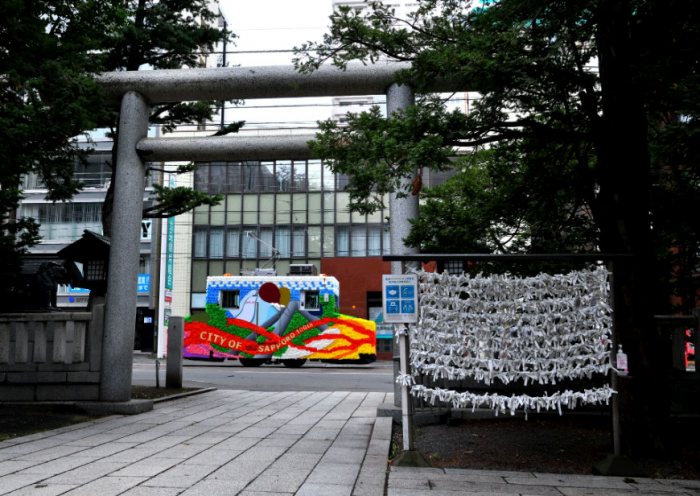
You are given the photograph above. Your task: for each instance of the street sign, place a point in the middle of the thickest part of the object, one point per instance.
(400, 298)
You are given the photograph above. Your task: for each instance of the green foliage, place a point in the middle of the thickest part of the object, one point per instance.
(217, 316)
(47, 99)
(174, 201)
(328, 308)
(561, 157)
(589, 112)
(166, 34)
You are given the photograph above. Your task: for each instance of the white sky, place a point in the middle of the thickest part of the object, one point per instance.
(263, 26)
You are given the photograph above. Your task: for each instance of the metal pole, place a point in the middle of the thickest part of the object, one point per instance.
(406, 404)
(223, 64)
(155, 265)
(613, 379)
(118, 343)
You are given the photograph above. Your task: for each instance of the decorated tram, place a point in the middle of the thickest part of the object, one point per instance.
(268, 319)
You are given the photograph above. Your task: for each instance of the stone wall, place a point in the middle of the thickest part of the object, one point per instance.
(51, 356)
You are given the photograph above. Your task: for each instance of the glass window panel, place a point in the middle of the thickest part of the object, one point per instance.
(267, 207)
(315, 208)
(374, 241)
(314, 241)
(283, 241)
(342, 214)
(250, 175)
(233, 248)
(249, 245)
(267, 176)
(265, 242)
(283, 203)
(200, 243)
(343, 241)
(357, 218)
(216, 268)
(216, 242)
(300, 182)
(199, 276)
(201, 215)
(283, 175)
(282, 267)
(144, 264)
(199, 300)
(328, 178)
(376, 217)
(233, 177)
(233, 209)
(201, 178)
(250, 209)
(311, 300)
(328, 208)
(217, 178)
(342, 181)
(230, 298)
(233, 267)
(386, 238)
(218, 214)
(299, 242)
(248, 265)
(358, 242)
(314, 174)
(328, 242)
(299, 208)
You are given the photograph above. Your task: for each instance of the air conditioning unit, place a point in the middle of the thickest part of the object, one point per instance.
(302, 270)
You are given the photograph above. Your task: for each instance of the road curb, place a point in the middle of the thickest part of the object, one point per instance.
(184, 395)
(372, 479)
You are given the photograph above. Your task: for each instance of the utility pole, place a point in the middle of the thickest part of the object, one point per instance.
(154, 290)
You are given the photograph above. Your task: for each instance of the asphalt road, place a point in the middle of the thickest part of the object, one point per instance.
(375, 377)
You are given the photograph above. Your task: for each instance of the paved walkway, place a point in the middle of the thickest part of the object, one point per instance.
(405, 481)
(220, 443)
(245, 443)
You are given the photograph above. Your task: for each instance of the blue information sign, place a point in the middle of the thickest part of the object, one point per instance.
(400, 298)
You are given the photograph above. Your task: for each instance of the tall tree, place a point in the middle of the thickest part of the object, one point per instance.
(48, 50)
(166, 34)
(573, 97)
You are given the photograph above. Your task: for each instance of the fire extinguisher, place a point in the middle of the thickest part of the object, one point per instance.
(621, 362)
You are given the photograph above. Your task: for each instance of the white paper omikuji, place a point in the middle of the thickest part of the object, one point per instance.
(539, 329)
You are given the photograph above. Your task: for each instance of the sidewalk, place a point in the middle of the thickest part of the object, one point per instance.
(405, 481)
(249, 443)
(219, 443)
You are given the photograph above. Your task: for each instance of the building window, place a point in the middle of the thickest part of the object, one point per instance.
(342, 242)
(299, 242)
(216, 242)
(233, 249)
(283, 241)
(230, 299)
(200, 243)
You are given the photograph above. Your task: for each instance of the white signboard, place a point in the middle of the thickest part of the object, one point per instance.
(400, 298)
(146, 225)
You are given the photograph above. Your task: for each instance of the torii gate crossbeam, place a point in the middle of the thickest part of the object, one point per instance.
(136, 90)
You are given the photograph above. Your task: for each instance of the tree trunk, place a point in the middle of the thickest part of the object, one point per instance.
(624, 201)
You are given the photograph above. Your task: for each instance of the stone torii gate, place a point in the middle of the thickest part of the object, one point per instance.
(136, 90)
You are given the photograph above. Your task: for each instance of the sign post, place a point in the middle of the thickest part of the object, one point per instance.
(400, 306)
